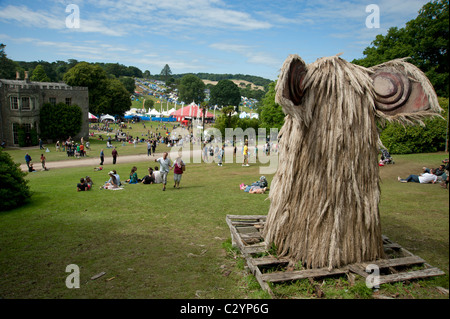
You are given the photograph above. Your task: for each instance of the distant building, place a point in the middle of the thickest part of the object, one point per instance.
(21, 101)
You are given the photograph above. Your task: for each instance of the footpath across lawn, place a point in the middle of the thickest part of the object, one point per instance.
(173, 244)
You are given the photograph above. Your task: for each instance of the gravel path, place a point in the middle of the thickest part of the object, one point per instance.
(92, 161)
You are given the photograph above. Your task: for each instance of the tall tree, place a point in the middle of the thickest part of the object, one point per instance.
(105, 95)
(166, 72)
(270, 113)
(90, 76)
(191, 88)
(225, 92)
(7, 66)
(128, 83)
(39, 74)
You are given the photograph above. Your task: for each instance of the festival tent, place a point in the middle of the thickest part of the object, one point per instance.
(92, 117)
(243, 115)
(107, 117)
(190, 111)
(154, 112)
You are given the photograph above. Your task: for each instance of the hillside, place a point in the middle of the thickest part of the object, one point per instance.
(239, 83)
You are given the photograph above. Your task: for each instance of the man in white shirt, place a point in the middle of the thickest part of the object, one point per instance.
(164, 168)
(425, 178)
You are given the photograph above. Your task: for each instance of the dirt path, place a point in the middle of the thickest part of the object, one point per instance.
(93, 161)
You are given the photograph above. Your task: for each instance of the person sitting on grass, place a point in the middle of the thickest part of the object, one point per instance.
(89, 182)
(133, 176)
(82, 186)
(157, 175)
(113, 182)
(30, 168)
(424, 178)
(150, 178)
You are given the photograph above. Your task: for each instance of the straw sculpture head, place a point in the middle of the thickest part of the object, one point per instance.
(325, 193)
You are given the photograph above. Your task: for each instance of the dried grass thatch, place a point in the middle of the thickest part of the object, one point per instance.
(325, 193)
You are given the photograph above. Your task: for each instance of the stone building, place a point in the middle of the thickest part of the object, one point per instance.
(21, 101)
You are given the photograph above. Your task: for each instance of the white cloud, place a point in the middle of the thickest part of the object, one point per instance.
(252, 55)
(42, 19)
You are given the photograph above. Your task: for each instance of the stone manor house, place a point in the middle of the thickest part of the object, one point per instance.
(21, 101)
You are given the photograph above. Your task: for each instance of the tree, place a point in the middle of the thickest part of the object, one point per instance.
(146, 74)
(191, 88)
(60, 121)
(270, 113)
(226, 92)
(90, 76)
(128, 83)
(115, 99)
(166, 72)
(424, 39)
(15, 190)
(39, 74)
(7, 66)
(105, 95)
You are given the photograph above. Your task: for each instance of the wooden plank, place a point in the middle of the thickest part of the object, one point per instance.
(359, 270)
(417, 274)
(302, 274)
(253, 249)
(256, 235)
(394, 262)
(254, 270)
(255, 217)
(265, 261)
(392, 246)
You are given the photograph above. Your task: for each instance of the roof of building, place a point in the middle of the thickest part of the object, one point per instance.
(42, 85)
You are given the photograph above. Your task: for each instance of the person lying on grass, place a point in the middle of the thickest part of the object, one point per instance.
(424, 178)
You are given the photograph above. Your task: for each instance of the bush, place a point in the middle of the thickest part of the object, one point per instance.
(15, 190)
(400, 139)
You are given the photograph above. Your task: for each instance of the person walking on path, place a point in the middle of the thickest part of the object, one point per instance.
(114, 155)
(102, 157)
(149, 148)
(178, 168)
(164, 168)
(43, 162)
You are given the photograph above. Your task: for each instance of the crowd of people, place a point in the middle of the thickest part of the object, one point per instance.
(154, 175)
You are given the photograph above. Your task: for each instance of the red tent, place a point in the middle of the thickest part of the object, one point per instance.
(190, 111)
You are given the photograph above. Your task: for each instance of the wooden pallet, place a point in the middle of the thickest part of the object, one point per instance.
(246, 235)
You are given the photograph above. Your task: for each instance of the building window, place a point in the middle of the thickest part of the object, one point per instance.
(68, 101)
(52, 100)
(26, 106)
(14, 102)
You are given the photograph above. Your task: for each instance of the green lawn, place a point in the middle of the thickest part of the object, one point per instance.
(154, 244)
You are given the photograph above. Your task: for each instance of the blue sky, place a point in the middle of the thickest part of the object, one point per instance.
(211, 36)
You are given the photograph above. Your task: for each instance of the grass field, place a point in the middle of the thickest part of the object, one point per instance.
(176, 244)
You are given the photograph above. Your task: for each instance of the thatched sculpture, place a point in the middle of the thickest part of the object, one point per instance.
(325, 193)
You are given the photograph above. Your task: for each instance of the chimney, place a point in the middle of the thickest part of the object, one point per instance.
(17, 75)
(26, 77)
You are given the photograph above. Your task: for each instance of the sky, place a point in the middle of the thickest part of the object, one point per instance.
(197, 36)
